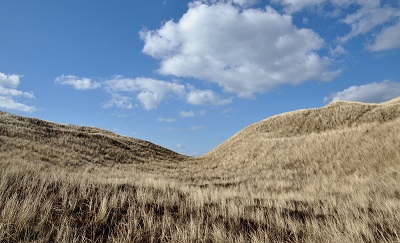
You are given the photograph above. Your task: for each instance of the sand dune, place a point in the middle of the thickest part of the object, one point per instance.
(36, 140)
(338, 128)
(319, 175)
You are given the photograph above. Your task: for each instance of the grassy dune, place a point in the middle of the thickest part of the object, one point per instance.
(320, 175)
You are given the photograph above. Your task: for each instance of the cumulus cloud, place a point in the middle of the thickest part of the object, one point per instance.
(9, 80)
(243, 50)
(186, 114)
(387, 39)
(9, 94)
(149, 92)
(77, 82)
(372, 93)
(206, 97)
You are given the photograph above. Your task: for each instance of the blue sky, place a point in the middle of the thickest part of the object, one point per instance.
(187, 75)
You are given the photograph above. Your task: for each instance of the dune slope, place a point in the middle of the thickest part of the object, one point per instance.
(37, 140)
(338, 128)
(305, 148)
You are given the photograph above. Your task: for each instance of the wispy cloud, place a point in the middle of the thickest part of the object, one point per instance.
(375, 18)
(180, 146)
(387, 39)
(367, 18)
(125, 92)
(77, 82)
(196, 128)
(169, 120)
(185, 129)
(206, 97)
(374, 92)
(186, 114)
(119, 101)
(291, 6)
(149, 92)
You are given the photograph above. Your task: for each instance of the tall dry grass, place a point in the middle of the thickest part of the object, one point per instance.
(321, 175)
(40, 207)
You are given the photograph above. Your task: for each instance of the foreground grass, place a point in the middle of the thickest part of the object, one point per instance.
(38, 207)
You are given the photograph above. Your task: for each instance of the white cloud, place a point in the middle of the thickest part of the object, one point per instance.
(149, 92)
(9, 80)
(362, 16)
(186, 114)
(337, 51)
(119, 101)
(245, 2)
(245, 51)
(13, 105)
(205, 97)
(77, 82)
(4, 91)
(292, 6)
(169, 120)
(242, 3)
(367, 18)
(373, 92)
(387, 39)
(9, 94)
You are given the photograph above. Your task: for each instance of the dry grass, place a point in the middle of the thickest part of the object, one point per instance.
(319, 175)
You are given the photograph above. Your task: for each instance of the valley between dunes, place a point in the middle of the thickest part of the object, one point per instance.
(330, 174)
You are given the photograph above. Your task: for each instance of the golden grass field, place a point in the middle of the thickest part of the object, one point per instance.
(320, 175)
